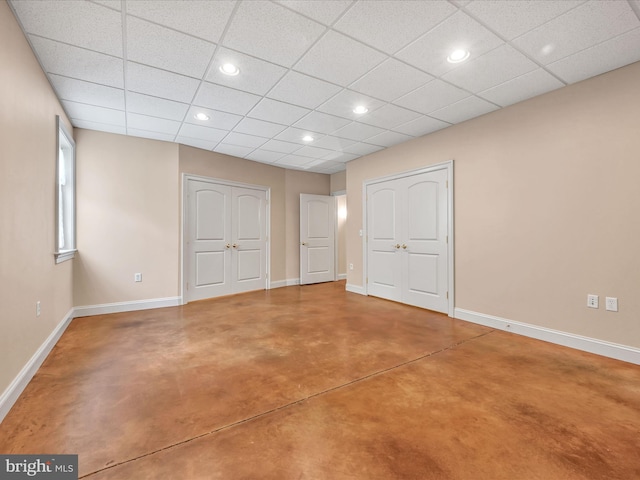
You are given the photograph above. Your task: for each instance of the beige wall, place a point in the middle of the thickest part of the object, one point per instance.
(546, 206)
(128, 207)
(28, 273)
(299, 182)
(339, 182)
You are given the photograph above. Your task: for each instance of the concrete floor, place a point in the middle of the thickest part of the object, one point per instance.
(316, 383)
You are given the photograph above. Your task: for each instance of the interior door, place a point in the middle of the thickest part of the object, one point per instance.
(424, 248)
(384, 276)
(208, 240)
(248, 242)
(317, 238)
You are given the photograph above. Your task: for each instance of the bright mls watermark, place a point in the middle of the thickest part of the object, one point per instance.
(49, 467)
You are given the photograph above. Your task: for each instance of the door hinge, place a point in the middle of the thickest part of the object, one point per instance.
(447, 183)
(187, 285)
(447, 295)
(447, 238)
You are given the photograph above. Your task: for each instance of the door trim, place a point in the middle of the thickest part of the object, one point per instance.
(183, 225)
(448, 166)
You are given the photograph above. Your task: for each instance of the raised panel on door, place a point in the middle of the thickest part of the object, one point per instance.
(249, 243)
(208, 234)
(383, 242)
(317, 238)
(425, 255)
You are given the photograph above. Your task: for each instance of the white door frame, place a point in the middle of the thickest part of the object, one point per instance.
(448, 166)
(183, 230)
(337, 194)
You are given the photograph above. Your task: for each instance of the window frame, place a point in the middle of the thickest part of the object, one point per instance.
(65, 141)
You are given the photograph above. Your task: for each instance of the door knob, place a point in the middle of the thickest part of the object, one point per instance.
(404, 246)
(397, 245)
(227, 245)
(235, 246)
(304, 243)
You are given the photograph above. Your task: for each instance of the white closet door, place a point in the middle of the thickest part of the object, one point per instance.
(209, 239)
(384, 240)
(249, 242)
(317, 238)
(407, 227)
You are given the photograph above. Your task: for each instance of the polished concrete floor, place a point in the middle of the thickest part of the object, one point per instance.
(316, 383)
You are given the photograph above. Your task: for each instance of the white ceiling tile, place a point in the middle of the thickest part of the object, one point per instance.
(514, 18)
(303, 90)
(362, 148)
(86, 92)
(343, 103)
(339, 59)
(602, 58)
(294, 161)
(390, 25)
(333, 143)
(313, 152)
(83, 24)
(164, 48)
(135, 132)
(243, 140)
(265, 156)
(78, 63)
(321, 122)
(389, 116)
(156, 107)
(521, 88)
(260, 128)
(204, 19)
(256, 76)
(582, 27)
(390, 80)
(280, 146)
(217, 119)
(234, 150)
(343, 157)
(387, 139)
(81, 111)
(358, 131)
(463, 110)
(434, 95)
(226, 99)
(114, 4)
(202, 133)
(278, 112)
(330, 170)
(195, 142)
(491, 69)
(158, 83)
(153, 124)
(430, 51)
(421, 126)
(295, 135)
(461, 3)
(325, 12)
(101, 127)
(271, 32)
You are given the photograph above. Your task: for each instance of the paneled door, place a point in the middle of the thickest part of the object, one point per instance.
(407, 228)
(225, 242)
(317, 238)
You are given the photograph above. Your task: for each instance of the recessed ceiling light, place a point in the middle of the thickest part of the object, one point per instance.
(229, 69)
(307, 138)
(202, 116)
(360, 109)
(458, 56)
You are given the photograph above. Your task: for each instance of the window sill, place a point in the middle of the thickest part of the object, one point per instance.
(64, 256)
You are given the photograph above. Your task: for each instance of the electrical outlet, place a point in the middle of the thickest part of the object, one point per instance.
(137, 277)
(592, 301)
(38, 308)
(611, 304)
(351, 266)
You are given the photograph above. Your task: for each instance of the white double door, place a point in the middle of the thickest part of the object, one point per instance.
(407, 228)
(226, 239)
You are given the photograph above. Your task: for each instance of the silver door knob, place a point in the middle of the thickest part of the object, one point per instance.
(235, 245)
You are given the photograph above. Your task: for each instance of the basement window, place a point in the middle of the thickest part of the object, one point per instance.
(65, 195)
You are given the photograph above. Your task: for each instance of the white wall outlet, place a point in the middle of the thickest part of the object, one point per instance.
(351, 266)
(592, 301)
(611, 304)
(137, 277)
(38, 308)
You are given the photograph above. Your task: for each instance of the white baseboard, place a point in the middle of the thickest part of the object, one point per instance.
(16, 387)
(89, 310)
(586, 344)
(355, 289)
(285, 283)
(342, 276)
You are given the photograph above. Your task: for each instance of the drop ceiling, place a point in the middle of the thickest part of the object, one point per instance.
(146, 68)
